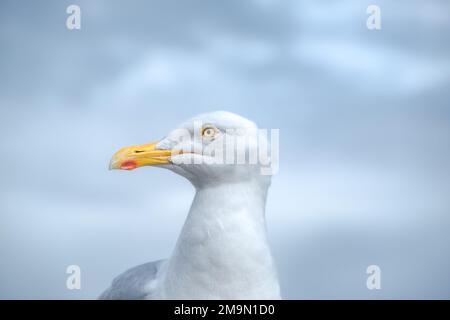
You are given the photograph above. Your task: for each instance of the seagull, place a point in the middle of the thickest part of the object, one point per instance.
(223, 250)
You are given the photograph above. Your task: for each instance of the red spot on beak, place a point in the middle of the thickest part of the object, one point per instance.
(128, 165)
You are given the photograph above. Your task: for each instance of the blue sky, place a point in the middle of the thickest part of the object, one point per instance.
(364, 125)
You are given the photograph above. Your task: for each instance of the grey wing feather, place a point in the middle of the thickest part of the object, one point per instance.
(133, 284)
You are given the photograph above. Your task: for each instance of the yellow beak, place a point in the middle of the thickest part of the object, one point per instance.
(133, 157)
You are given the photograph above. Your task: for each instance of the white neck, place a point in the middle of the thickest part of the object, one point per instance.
(222, 251)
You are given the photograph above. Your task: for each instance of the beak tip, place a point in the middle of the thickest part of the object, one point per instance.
(130, 158)
(111, 166)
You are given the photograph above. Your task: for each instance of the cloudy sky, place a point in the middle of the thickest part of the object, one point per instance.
(364, 121)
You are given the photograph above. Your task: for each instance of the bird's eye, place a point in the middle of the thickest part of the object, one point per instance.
(209, 132)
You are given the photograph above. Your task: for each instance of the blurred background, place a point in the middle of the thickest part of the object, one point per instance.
(364, 121)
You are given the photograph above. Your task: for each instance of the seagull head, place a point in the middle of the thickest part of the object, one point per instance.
(210, 148)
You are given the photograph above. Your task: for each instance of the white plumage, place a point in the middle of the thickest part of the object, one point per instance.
(222, 251)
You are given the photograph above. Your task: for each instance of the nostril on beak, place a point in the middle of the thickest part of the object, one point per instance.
(138, 151)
